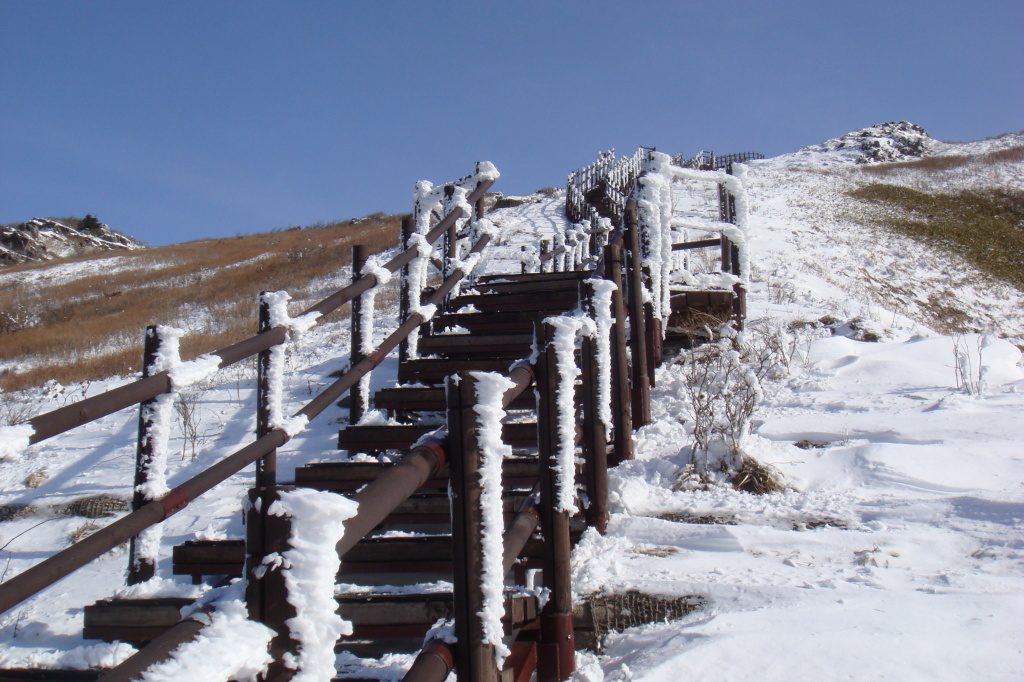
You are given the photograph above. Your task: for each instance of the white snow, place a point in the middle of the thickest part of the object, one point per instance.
(490, 388)
(14, 440)
(229, 647)
(310, 568)
(603, 291)
(564, 343)
(895, 553)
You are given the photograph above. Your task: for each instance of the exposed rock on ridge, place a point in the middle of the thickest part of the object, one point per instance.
(42, 239)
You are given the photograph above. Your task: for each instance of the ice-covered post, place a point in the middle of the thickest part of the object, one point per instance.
(266, 466)
(474, 656)
(622, 411)
(739, 300)
(595, 394)
(451, 238)
(141, 565)
(408, 227)
(266, 595)
(556, 649)
(358, 394)
(637, 323)
(545, 253)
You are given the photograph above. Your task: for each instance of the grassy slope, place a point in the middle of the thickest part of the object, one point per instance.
(986, 228)
(91, 327)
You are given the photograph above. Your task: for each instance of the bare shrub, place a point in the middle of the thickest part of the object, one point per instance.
(722, 392)
(969, 369)
(188, 408)
(723, 387)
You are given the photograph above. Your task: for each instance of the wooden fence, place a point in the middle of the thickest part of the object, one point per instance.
(592, 339)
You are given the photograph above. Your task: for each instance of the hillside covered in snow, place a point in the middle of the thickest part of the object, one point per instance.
(891, 417)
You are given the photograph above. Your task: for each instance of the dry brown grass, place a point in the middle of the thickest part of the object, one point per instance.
(933, 164)
(91, 327)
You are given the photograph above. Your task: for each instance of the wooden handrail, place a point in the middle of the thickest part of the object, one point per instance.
(63, 563)
(90, 409)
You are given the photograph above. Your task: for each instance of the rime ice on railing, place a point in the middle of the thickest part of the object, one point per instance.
(154, 438)
(565, 331)
(490, 387)
(278, 302)
(232, 647)
(657, 224)
(432, 204)
(310, 571)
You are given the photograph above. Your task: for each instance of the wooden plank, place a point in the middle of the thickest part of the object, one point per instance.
(435, 370)
(139, 620)
(402, 436)
(555, 301)
(702, 244)
(535, 277)
(432, 399)
(517, 472)
(536, 286)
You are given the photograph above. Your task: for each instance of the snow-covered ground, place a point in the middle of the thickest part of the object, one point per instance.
(896, 551)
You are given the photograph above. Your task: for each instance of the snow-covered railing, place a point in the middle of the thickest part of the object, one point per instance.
(592, 195)
(482, 553)
(431, 204)
(274, 429)
(581, 181)
(659, 227)
(705, 160)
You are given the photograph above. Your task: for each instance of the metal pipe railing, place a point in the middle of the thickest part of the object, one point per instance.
(87, 410)
(63, 563)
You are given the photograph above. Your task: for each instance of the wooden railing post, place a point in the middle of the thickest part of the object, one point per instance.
(140, 568)
(638, 325)
(266, 467)
(474, 658)
(622, 408)
(451, 240)
(358, 394)
(408, 227)
(266, 595)
(595, 440)
(556, 650)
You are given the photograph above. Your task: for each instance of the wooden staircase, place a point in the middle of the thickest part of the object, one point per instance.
(392, 582)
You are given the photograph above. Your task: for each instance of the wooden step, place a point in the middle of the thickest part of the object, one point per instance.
(554, 301)
(132, 620)
(517, 472)
(378, 438)
(412, 554)
(199, 558)
(512, 346)
(434, 508)
(492, 322)
(51, 675)
(434, 370)
(372, 615)
(701, 300)
(535, 277)
(418, 399)
(532, 286)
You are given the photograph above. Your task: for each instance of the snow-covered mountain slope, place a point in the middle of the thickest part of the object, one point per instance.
(896, 551)
(42, 239)
(807, 230)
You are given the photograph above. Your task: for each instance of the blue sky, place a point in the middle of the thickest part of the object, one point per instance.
(182, 120)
